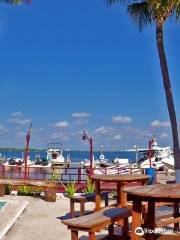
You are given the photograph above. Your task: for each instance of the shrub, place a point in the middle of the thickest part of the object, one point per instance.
(37, 191)
(90, 187)
(54, 177)
(114, 194)
(8, 188)
(25, 191)
(70, 189)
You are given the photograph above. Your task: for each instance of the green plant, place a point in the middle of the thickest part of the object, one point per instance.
(25, 191)
(70, 189)
(8, 188)
(54, 177)
(114, 194)
(90, 187)
(37, 191)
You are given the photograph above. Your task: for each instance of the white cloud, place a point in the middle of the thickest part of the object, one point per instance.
(81, 115)
(16, 114)
(103, 130)
(21, 134)
(158, 124)
(121, 119)
(117, 137)
(3, 129)
(63, 124)
(56, 136)
(79, 122)
(20, 121)
(164, 135)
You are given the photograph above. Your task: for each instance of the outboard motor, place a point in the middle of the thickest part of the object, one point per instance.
(12, 161)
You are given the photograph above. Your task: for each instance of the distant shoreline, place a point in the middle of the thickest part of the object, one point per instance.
(19, 149)
(36, 149)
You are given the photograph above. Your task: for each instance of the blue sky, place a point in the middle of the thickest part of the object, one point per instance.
(75, 65)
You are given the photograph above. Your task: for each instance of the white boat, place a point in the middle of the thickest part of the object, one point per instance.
(159, 154)
(116, 170)
(121, 162)
(55, 154)
(16, 162)
(169, 162)
(101, 161)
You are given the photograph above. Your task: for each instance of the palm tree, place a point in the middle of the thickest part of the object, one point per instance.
(144, 13)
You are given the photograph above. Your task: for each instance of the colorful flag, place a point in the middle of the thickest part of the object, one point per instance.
(29, 133)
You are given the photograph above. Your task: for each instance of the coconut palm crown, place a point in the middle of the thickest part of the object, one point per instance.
(147, 12)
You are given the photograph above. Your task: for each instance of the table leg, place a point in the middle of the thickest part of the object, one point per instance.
(72, 214)
(176, 215)
(121, 195)
(136, 219)
(150, 224)
(97, 197)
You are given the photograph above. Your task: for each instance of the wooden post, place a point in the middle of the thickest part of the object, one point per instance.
(3, 171)
(82, 209)
(2, 190)
(72, 215)
(50, 194)
(150, 224)
(176, 215)
(92, 236)
(111, 231)
(74, 235)
(97, 198)
(136, 216)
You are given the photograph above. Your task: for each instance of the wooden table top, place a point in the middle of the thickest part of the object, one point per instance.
(120, 177)
(156, 191)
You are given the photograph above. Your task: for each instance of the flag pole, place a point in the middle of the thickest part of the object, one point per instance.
(27, 150)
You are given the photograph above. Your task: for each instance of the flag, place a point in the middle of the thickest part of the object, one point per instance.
(29, 133)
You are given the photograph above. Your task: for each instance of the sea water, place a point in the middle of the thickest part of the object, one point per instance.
(76, 156)
(44, 173)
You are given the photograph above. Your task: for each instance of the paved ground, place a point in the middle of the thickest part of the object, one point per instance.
(41, 220)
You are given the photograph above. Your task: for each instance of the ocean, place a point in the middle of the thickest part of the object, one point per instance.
(76, 156)
(66, 175)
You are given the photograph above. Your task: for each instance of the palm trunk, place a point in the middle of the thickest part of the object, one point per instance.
(169, 97)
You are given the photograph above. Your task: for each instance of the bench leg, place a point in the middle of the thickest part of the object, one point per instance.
(82, 209)
(72, 215)
(74, 235)
(92, 236)
(106, 201)
(176, 215)
(111, 231)
(125, 228)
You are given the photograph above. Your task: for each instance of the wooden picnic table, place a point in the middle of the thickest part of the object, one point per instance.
(121, 181)
(152, 194)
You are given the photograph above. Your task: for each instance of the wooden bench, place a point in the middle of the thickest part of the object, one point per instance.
(97, 221)
(2, 190)
(82, 199)
(168, 237)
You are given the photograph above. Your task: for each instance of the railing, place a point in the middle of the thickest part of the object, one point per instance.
(63, 174)
(43, 173)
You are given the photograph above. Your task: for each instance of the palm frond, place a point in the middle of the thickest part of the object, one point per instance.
(111, 2)
(177, 10)
(141, 13)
